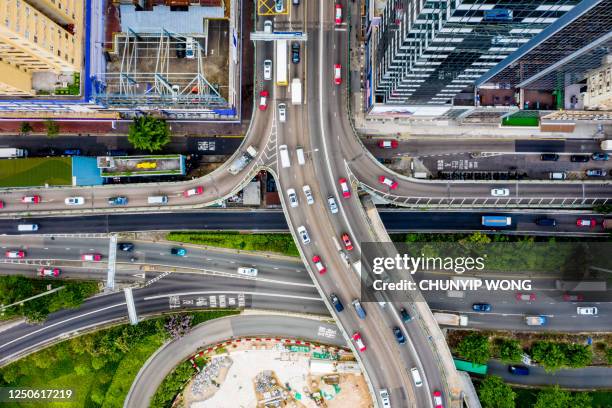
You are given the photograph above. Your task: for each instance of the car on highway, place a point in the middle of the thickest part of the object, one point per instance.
(500, 192)
(337, 74)
(35, 199)
(72, 152)
(74, 201)
(549, 157)
(268, 26)
(1, 204)
(125, 246)
(518, 370)
(567, 297)
(319, 264)
(359, 309)
(308, 193)
(579, 158)
(586, 310)
(293, 199)
(295, 52)
(331, 203)
(119, 200)
(392, 184)
(586, 222)
(263, 100)
(346, 240)
(338, 16)
(15, 254)
(346, 192)
(359, 341)
(481, 307)
(247, 271)
(282, 112)
(600, 156)
(91, 257)
(46, 271)
(596, 173)
(279, 6)
(405, 315)
(527, 297)
(387, 144)
(546, 222)
(193, 191)
(267, 70)
(399, 335)
(437, 399)
(384, 398)
(178, 251)
(303, 234)
(335, 300)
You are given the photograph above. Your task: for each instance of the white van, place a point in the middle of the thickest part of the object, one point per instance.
(284, 156)
(557, 175)
(27, 227)
(416, 376)
(252, 272)
(158, 199)
(300, 155)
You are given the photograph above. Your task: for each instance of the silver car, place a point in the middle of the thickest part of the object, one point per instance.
(282, 112)
(267, 70)
(303, 234)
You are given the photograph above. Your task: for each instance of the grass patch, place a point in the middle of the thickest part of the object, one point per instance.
(99, 367)
(522, 119)
(56, 171)
(279, 243)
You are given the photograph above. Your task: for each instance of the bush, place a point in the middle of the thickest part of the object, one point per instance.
(280, 243)
(508, 350)
(554, 356)
(494, 393)
(475, 348)
(555, 397)
(172, 385)
(149, 133)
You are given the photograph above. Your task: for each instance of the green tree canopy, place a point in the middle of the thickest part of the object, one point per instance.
(494, 393)
(555, 397)
(509, 350)
(149, 133)
(475, 348)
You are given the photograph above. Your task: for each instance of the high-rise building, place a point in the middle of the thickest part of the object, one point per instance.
(38, 36)
(425, 52)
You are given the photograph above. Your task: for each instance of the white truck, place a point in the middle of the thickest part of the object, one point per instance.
(284, 156)
(451, 319)
(11, 152)
(606, 145)
(296, 91)
(242, 160)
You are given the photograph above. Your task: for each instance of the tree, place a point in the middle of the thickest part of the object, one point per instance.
(555, 397)
(52, 128)
(549, 354)
(578, 355)
(509, 350)
(149, 133)
(494, 393)
(475, 348)
(25, 128)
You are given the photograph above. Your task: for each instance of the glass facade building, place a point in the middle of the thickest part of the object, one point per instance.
(426, 52)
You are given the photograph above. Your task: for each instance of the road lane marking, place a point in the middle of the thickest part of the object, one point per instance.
(209, 292)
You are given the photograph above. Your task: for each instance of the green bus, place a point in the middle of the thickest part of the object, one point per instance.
(470, 367)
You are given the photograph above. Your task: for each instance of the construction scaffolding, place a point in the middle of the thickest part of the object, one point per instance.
(156, 71)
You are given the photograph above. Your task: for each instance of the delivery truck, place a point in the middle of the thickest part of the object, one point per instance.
(451, 319)
(296, 91)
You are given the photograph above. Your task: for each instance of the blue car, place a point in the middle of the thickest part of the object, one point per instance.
(399, 335)
(481, 307)
(72, 152)
(336, 302)
(178, 251)
(120, 200)
(518, 370)
(600, 156)
(405, 316)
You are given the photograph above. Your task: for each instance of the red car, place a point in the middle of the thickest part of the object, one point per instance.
(437, 398)
(15, 254)
(528, 297)
(91, 257)
(263, 100)
(346, 193)
(347, 242)
(1, 204)
(194, 191)
(49, 272)
(35, 199)
(338, 17)
(388, 182)
(319, 265)
(359, 341)
(387, 144)
(337, 74)
(572, 298)
(586, 222)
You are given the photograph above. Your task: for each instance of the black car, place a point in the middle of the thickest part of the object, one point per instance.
(181, 50)
(399, 335)
(546, 222)
(549, 157)
(125, 246)
(336, 302)
(404, 314)
(295, 52)
(48, 151)
(579, 158)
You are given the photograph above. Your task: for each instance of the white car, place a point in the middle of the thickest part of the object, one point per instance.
(282, 112)
(268, 26)
(331, 203)
(308, 193)
(303, 234)
(587, 310)
(384, 398)
(293, 200)
(252, 272)
(267, 70)
(74, 201)
(500, 192)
